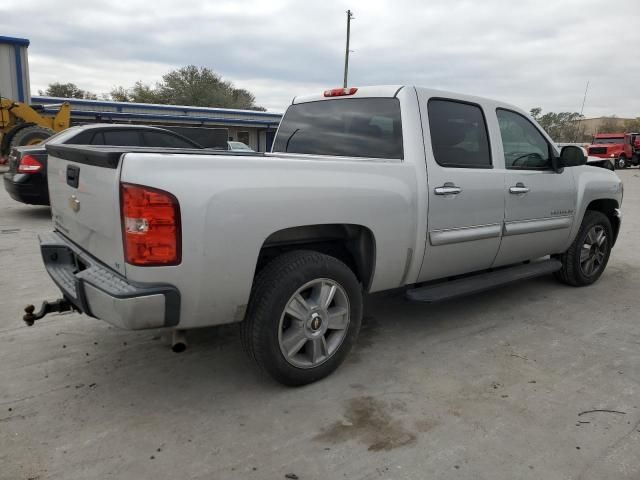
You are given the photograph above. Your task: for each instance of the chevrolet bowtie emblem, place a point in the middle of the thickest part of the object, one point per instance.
(74, 203)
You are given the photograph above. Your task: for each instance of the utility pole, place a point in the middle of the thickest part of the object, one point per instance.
(585, 98)
(346, 53)
(580, 124)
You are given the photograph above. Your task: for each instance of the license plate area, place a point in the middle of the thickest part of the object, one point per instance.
(63, 264)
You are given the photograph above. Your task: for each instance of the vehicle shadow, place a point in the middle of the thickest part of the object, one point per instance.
(141, 365)
(19, 211)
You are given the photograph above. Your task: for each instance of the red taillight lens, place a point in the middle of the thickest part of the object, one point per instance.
(340, 92)
(29, 164)
(150, 226)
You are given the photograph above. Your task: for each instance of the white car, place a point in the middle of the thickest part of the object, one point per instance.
(239, 147)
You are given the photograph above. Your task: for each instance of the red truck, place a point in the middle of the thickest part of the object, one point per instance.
(624, 148)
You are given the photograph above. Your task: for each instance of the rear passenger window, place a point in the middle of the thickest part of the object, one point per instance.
(83, 138)
(122, 138)
(160, 139)
(98, 139)
(458, 134)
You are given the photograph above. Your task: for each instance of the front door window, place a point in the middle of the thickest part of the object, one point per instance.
(524, 146)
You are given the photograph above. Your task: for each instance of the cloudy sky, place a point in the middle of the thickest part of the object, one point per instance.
(531, 53)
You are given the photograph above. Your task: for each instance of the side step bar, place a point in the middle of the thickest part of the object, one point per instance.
(481, 282)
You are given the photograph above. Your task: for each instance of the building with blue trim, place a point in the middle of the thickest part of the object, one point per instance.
(256, 129)
(14, 69)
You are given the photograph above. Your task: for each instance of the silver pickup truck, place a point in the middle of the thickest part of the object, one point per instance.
(366, 189)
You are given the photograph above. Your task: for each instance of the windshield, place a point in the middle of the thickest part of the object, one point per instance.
(61, 136)
(356, 127)
(609, 140)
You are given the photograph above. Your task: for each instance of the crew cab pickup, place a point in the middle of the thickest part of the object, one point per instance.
(366, 189)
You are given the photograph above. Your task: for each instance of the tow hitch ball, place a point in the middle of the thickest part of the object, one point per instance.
(59, 306)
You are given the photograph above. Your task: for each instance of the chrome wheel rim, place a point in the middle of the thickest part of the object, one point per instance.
(594, 251)
(314, 323)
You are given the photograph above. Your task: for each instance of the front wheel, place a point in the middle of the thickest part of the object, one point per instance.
(31, 135)
(303, 318)
(622, 163)
(589, 253)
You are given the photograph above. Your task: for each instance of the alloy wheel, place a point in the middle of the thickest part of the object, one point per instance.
(594, 251)
(314, 323)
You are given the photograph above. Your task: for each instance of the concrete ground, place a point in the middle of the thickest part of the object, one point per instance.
(488, 387)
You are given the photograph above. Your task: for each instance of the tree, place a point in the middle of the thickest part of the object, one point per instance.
(190, 85)
(535, 113)
(611, 124)
(67, 90)
(632, 125)
(562, 127)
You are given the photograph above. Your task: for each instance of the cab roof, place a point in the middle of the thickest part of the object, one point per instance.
(391, 91)
(380, 91)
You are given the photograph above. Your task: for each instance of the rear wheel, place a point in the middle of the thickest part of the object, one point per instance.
(304, 316)
(30, 136)
(589, 253)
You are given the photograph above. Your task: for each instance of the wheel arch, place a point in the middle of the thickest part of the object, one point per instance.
(351, 243)
(608, 207)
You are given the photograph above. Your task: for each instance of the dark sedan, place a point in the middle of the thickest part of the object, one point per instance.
(26, 180)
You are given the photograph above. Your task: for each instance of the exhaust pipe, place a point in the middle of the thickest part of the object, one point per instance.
(179, 340)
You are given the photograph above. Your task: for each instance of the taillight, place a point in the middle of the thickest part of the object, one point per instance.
(340, 92)
(150, 226)
(29, 164)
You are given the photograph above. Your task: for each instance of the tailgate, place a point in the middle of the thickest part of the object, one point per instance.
(84, 189)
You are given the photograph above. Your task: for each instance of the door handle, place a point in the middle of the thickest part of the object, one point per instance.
(447, 189)
(519, 188)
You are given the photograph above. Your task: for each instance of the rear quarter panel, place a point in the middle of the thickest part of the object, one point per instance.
(230, 205)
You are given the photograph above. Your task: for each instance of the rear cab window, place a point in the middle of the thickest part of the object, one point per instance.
(459, 135)
(354, 127)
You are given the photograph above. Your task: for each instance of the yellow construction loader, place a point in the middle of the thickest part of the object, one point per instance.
(22, 124)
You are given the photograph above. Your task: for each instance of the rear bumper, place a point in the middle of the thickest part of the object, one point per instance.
(99, 292)
(27, 188)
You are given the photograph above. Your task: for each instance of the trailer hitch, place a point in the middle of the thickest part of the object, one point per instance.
(59, 306)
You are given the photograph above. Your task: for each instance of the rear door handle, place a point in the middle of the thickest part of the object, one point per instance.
(447, 189)
(519, 188)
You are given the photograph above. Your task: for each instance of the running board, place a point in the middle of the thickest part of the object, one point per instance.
(481, 282)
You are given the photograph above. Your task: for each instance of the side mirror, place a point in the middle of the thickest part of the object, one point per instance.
(572, 156)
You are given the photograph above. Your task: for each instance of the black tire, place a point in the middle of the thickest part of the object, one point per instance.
(30, 136)
(572, 271)
(622, 163)
(5, 145)
(273, 288)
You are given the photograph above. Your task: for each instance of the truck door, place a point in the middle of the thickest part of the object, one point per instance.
(539, 202)
(466, 201)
